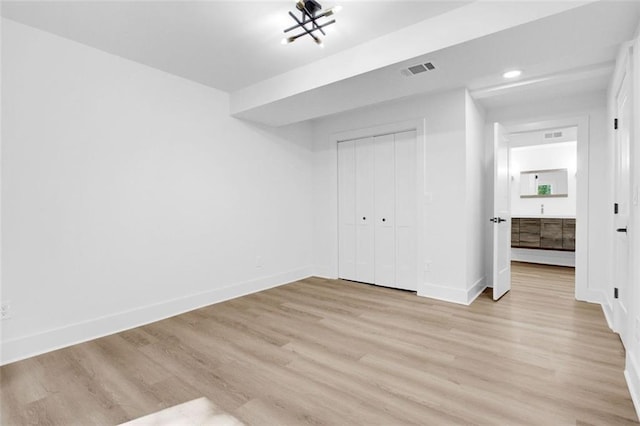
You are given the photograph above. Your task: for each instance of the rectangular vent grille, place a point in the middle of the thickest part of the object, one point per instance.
(417, 69)
(552, 135)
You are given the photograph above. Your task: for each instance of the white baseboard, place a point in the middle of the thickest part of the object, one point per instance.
(454, 295)
(322, 272)
(631, 375)
(478, 287)
(608, 314)
(36, 344)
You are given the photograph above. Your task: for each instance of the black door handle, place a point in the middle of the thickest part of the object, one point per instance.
(622, 230)
(501, 220)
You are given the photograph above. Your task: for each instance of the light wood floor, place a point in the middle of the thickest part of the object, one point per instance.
(333, 352)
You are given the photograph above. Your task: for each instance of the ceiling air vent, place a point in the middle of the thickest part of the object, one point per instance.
(552, 135)
(417, 69)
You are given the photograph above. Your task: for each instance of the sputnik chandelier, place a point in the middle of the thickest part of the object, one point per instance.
(310, 21)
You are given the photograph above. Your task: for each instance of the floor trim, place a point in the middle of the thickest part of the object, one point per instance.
(57, 338)
(633, 381)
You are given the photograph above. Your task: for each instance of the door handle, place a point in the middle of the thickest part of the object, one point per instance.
(622, 230)
(501, 220)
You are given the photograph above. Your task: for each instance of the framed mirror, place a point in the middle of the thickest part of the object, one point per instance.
(544, 183)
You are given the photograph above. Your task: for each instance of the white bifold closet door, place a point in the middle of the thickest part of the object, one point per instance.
(377, 210)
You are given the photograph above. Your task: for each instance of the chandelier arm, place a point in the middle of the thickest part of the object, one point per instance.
(293, 38)
(316, 39)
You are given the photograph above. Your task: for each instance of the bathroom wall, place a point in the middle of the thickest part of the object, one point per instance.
(543, 157)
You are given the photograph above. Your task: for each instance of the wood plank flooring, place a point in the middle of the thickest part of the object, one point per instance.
(334, 352)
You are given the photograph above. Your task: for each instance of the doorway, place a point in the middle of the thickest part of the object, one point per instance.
(546, 192)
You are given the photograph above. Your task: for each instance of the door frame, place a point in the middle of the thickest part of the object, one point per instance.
(582, 290)
(419, 126)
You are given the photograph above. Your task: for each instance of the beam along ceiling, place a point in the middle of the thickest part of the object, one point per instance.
(222, 44)
(563, 47)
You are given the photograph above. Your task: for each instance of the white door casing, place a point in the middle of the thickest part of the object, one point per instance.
(406, 210)
(501, 215)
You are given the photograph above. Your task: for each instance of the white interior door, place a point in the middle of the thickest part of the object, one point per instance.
(385, 211)
(501, 215)
(365, 187)
(347, 210)
(406, 211)
(621, 219)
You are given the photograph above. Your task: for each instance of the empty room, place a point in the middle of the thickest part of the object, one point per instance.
(320, 212)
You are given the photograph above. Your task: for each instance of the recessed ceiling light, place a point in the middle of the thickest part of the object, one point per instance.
(512, 74)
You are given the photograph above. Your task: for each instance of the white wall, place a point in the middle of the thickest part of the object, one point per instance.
(446, 219)
(593, 107)
(129, 195)
(543, 157)
(475, 196)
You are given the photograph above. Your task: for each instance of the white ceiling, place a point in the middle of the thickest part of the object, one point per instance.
(223, 44)
(564, 48)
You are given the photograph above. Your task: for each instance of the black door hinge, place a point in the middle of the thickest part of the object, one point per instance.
(615, 124)
(615, 293)
(615, 208)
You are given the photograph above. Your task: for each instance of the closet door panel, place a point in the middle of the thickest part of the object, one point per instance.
(347, 210)
(365, 186)
(385, 240)
(406, 210)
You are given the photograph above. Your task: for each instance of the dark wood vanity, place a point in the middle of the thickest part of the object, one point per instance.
(543, 233)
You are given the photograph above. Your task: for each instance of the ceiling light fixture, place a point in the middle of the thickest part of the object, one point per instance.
(311, 13)
(512, 74)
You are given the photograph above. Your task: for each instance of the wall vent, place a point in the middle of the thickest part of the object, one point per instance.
(417, 69)
(552, 135)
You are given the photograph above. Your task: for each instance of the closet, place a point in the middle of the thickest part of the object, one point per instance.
(377, 209)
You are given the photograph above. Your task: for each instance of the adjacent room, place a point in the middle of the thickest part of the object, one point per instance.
(320, 212)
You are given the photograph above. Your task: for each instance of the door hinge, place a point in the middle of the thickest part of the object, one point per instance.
(615, 293)
(615, 208)
(615, 124)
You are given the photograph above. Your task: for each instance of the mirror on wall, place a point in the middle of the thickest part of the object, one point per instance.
(544, 183)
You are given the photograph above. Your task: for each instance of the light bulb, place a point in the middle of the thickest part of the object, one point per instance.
(512, 74)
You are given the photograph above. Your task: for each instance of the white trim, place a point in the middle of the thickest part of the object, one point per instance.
(444, 293)
(476, 290)
(419, 125)
(582, 291)
(453, 295)
(631, 372)
(36, 344)
(608, 313)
